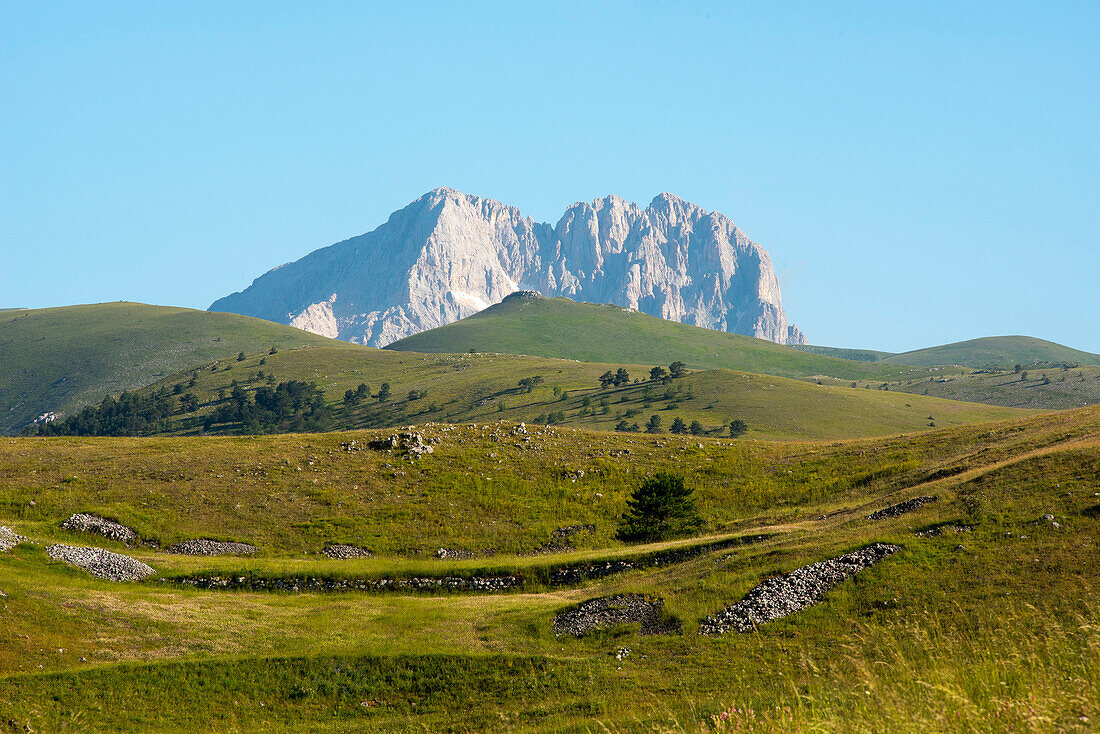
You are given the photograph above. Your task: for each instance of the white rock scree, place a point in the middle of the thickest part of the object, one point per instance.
(783, 595)
(449, 255)
(101, 563)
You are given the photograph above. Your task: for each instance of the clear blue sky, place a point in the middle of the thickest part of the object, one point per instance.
(920, 172)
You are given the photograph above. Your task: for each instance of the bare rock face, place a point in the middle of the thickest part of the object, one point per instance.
(449, 255)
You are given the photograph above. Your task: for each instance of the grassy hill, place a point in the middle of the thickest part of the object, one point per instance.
(559, 327)
(859, 355)
(463, 388)
(1041, 388)
(995, 351)
(989, 625)
(60, 359)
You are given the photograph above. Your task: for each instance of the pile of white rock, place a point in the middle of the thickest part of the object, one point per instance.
(85, 523)
(204, 547)
(101, 563)
(9, 539)
(783, 595)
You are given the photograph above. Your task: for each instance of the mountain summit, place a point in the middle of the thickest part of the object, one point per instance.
(448, 255)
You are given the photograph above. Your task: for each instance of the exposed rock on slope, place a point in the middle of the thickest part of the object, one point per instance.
(85, 523)
(101, 563)
(449, 255)
(781, 596)
(9, 539)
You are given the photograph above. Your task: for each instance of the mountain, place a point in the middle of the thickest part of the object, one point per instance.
(57, 360)
(996, 351)
(449, 255)
(528, 323)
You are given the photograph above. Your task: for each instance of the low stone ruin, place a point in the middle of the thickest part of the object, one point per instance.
(345, 552)
(561, 539)
(101, 563)
(610, 611)
(204, 547)
(426, 584)
(784, 595)
(454, 554)
(85, 523)
(939, 530)
(901, 508)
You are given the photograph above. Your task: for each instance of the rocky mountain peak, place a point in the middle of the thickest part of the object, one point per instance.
(448, 255)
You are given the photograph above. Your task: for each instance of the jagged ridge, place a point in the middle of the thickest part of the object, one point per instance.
(449, 255)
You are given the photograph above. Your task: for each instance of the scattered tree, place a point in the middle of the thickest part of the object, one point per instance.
(384, 392)
(658, 373)
(622, 377)
(190, 402)
(654, 424)
(697, 428)
(529, 383)
(273, 350)
(240, 357)
(738, 428)
(607, 379)
(677, 369)
(662, 507)
(678, 426)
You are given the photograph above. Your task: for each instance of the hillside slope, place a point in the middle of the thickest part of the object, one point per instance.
(60, 359)
(526, 323)
(994, 352)
(985, 616)
(464, 388)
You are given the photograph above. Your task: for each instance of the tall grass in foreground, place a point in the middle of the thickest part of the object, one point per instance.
(1018, 672)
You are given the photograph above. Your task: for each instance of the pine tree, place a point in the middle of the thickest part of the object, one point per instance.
(678, 426)
(661, 508)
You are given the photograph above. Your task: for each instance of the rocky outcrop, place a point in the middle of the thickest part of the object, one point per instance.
(449, 255)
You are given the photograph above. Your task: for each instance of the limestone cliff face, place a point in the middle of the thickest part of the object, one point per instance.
(449, 255)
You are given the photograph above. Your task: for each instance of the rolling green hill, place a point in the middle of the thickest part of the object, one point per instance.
(60, 359)
(463, 388)
(986, 616)
(859, 355)
(995, 352)
(559, 327)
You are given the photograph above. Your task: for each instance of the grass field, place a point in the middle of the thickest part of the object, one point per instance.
(1037, 388)
(460, 388)
(994, 629)
(60, 359)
